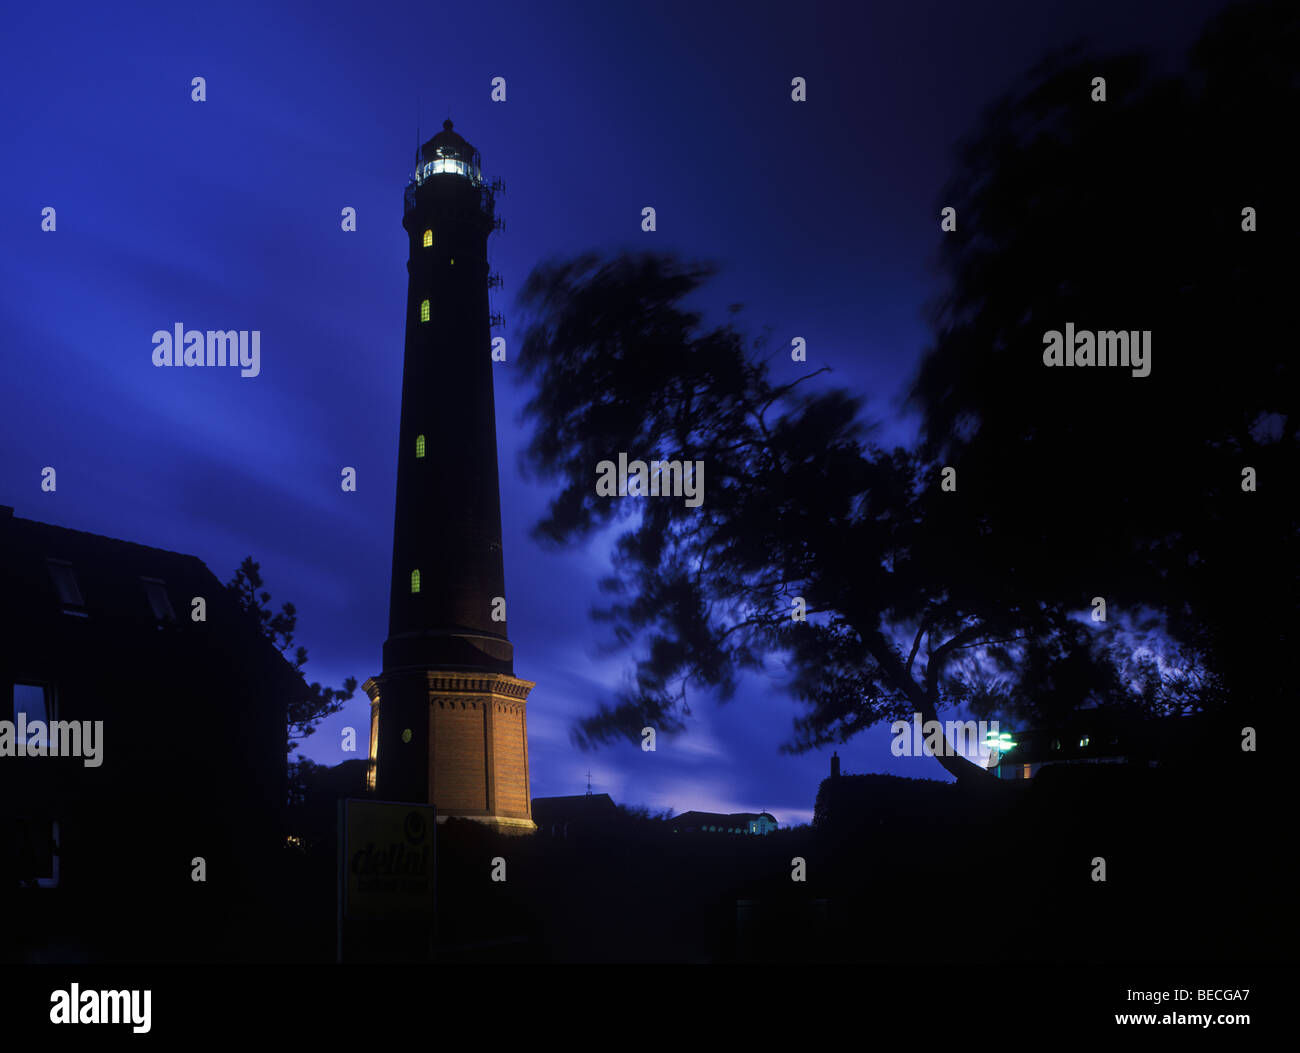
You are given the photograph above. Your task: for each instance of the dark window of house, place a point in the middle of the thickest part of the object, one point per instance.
(157, 592)
(35, 851)
(32, 700)
(66, 583)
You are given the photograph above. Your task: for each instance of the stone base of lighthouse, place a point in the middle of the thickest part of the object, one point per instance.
(454, 739)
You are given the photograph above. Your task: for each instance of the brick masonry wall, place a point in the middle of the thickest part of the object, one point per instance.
(459, 754)
(508, 743)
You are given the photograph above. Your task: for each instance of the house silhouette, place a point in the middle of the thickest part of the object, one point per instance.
(98, 855)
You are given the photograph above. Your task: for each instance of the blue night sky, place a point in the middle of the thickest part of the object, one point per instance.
(226, 215)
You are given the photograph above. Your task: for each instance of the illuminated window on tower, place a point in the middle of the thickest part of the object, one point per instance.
(424, 310)
(419, 446)
(415, 581)
(428, 239)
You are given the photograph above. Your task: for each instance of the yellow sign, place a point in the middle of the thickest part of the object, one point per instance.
(387, 859)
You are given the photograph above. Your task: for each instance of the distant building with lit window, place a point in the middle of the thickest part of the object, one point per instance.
(720, 823)
(1099, 736)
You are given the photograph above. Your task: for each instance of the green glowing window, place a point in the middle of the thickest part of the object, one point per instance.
(415, 581)
(428, 239)
(424, 310)
(419, 446)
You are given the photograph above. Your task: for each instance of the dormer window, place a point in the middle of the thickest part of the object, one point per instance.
(33, 702)
(156, 591)
(65, 583)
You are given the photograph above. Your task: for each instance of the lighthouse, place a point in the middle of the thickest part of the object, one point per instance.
(448, 722)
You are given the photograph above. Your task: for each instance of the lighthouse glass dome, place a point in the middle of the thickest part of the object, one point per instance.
(448, 153)
(448, 164)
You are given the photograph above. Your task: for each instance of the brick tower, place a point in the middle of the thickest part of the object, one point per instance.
(447, 715)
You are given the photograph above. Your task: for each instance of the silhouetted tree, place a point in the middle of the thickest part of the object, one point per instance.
(1072, 483)
(314, 703)
(799, 508)
(1128, 214)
